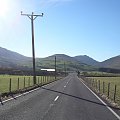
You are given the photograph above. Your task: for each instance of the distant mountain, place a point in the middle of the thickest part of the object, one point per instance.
(11, 59)
(61, 57)
(84, 60)
(87, 60)
(113, 62)
(70, 62)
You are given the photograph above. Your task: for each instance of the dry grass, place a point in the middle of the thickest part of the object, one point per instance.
(113, 81)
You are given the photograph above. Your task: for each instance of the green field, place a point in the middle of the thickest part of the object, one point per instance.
(21, 82)
(99, 74)
(104, 90)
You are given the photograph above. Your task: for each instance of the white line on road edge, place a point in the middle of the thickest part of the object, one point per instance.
(23, 94)
(19, 95)
(56, 98)
(101, 100)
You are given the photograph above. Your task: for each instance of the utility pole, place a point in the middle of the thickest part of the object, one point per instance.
(65, 69)
(32, 18)
(55, 67)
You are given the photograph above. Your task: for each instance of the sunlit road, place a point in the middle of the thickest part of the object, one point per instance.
(66, 99)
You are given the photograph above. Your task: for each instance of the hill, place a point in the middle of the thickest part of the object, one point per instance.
(113, 62)
(70, 63)
(10, 59)
(60, 57)
(87, 60)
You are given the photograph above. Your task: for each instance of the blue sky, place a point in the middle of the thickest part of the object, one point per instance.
(72, 27)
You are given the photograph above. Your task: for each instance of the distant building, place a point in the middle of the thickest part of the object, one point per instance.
(49, 70)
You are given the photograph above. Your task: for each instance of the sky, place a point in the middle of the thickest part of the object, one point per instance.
(71, 27)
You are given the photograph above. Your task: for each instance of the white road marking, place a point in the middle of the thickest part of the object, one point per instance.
(66, 84)
(101, 100)
(24, 93)
(49, 108)
(56, 98)
(19, 95)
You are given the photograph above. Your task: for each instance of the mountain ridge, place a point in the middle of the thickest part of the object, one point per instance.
(86, 59)
(10, 58)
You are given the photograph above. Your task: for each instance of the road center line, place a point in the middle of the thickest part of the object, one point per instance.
(113, 112)
(56, 98)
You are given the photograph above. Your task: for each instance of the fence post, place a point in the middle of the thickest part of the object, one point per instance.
(51, 78)
(115, 93)
(18, 84)
(29, 82)
(43, 79)
(38, 80)
(99, 85)
(24, 82)
(90, 82)
(96, 84)
(103, 87)
(10, 83)
(47, 78)
(93, 83)
(108, 90)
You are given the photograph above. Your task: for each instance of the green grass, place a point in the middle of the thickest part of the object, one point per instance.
(5, 82)
(99, 74)
(113, 81)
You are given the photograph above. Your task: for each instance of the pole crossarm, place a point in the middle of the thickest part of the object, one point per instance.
(34, 16)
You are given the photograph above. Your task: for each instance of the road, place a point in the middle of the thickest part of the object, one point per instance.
(66, 99)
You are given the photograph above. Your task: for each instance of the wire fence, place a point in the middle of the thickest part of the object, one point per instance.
(11, 84)
(107, 87)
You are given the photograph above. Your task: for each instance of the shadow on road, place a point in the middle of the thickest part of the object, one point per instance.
(76, 97)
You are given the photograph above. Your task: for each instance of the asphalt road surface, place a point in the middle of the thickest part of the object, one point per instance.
(66, 99)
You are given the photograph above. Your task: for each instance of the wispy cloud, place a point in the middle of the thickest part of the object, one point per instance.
(49, 3)
(58, 0)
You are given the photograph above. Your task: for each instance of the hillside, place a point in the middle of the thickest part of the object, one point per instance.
(113, 62)
(60, 57)
(10, 59)
(87, 60)
(70, 62)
